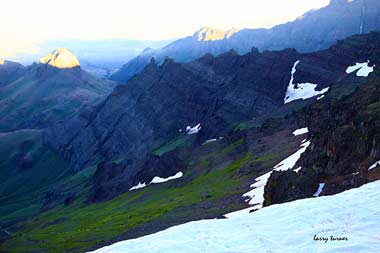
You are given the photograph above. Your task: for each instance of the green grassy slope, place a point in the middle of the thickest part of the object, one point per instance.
(27, 170)
(217, 175)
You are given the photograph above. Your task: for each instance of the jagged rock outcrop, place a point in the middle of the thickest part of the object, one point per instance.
(161, 100)
(213, 91)
(316, 30)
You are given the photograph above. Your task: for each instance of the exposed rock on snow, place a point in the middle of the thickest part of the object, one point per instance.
(363, 70)
(301, 90)
(60, 58)
(256, 196)
(290, 227)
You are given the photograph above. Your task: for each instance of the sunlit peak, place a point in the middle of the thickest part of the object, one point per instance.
(209, 34)
(60, 58)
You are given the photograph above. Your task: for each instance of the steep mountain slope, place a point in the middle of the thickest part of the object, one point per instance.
(314, 31)
(53, 90)
(215, 175)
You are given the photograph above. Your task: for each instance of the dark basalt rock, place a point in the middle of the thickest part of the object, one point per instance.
(112, 179)
(109, 180)
(285, 186)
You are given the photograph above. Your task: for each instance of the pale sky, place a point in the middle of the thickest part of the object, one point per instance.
(24, 23)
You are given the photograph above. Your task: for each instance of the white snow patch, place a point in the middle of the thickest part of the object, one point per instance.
(256, 195)
(209, 141)
(138, 186)
(364, 69)
(303, 90)
(301, 131)
(193, 130)
(320, 97)
(298, 169)
(320, 189)
(285, 228)
(374, 165)
(158, 180)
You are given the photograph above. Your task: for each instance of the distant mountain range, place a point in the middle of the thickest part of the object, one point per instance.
(315, 30)
(99, 57)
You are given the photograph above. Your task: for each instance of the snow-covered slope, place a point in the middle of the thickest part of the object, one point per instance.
(308, 225)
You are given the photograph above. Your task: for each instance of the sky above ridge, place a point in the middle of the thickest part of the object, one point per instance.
(26, 23)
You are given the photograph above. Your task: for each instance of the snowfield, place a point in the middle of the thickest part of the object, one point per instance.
(301, 90)
(309, 225)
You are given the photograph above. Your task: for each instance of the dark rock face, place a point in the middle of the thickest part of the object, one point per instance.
(213, 91)
(316, 30)
(345, 142)
(112, 179)
(108, 181)
(283, 186)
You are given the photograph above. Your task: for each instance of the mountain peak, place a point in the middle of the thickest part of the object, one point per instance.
(2, 61)
(210, 34)
(60, 58)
